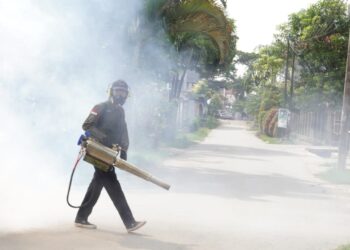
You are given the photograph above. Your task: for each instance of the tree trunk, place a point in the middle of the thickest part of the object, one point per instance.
(174, 83)
(180, 83)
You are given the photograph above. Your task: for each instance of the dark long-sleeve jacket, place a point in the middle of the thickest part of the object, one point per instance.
(109, 119)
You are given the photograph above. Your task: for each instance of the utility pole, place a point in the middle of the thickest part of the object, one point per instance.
(291, 105)
(345, 119)
(286, 75)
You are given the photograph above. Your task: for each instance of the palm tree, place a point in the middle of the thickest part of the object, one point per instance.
(204, 18)
(201, 28)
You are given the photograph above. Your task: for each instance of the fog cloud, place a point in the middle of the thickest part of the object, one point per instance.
(56, 61)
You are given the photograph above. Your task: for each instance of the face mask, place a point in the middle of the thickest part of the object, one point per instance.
(119, 100)
(119, 96)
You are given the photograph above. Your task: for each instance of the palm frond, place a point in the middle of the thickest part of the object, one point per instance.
(202, 17)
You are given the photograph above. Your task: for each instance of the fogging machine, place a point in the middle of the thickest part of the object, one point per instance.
(104, 158)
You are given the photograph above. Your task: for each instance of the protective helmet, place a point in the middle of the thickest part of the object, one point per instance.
(118, 85)
(121, 85)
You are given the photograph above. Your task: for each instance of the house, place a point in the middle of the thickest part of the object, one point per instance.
(190, 107)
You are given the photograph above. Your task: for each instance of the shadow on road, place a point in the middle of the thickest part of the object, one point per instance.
(140, 241)
(236, 185)
(230, 184)
(84, 240)
(216, 149)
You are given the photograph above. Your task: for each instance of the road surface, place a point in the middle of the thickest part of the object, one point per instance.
(231, 191)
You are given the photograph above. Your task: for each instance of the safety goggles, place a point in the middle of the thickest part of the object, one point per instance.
(120, 92)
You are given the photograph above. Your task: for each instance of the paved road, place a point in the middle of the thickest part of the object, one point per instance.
(232, 191)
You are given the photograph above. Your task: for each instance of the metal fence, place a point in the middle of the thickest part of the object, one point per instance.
(322, 127)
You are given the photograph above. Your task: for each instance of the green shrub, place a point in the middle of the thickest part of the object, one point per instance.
(196, 124)
(344, 247)
(215, 104)
(270, 97)
(181, 141)
(261, 118)
(211, 122)
(199, 135)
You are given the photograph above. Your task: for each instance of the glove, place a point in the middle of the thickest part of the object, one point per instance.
(123, 155)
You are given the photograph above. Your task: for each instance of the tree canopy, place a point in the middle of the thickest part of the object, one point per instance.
(199, 28)
(313, 45)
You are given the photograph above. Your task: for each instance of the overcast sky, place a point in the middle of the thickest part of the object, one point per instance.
(257, 20)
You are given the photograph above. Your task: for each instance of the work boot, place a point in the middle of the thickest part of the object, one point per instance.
(84, 224)
(135, 225)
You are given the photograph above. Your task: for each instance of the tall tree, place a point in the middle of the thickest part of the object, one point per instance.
(201, 33)
(319, 37)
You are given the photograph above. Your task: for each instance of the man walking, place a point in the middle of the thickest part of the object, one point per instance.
(106, 122)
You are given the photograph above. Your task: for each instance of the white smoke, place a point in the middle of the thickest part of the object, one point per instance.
(56, 61)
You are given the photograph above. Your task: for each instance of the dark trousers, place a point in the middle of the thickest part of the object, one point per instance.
(109, 181)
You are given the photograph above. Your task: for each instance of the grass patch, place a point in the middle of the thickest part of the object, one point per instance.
(198, 135)
(268, 139)
(274, 140)
(336, 176)
(181, 141)
(201, 128)
(344, 247)
(188, 139)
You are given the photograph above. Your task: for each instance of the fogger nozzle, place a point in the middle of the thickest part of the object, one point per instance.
(103, 157)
